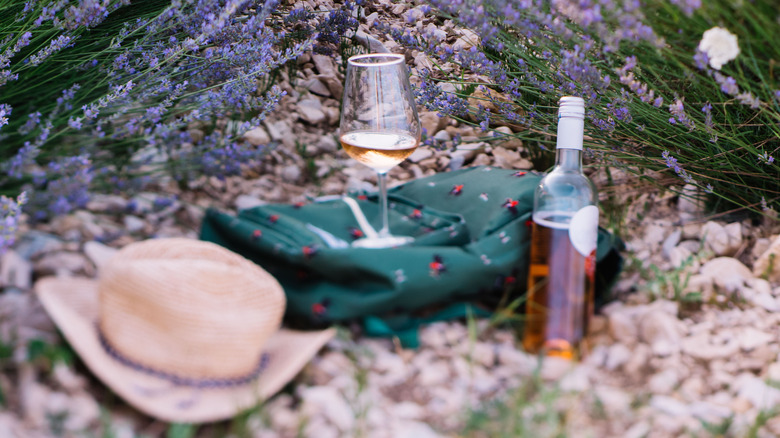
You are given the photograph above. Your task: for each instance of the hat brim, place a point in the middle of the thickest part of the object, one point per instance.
(72, 304)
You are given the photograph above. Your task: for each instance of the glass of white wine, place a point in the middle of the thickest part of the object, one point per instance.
(379, 125)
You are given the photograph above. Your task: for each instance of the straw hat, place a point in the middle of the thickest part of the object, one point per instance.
(183, 330)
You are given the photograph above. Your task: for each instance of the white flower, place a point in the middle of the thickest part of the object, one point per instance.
(720, 45)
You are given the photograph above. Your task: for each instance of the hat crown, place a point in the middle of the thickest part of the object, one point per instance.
(188, 308)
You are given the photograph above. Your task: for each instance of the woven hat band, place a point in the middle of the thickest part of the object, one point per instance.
(198, 311)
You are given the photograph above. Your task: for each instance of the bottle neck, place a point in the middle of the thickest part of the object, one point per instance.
(569, 145)
(568, 159)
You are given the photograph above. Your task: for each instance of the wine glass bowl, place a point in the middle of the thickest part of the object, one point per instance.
(379, 125)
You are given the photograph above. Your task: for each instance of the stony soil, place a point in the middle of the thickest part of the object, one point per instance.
(690, 347)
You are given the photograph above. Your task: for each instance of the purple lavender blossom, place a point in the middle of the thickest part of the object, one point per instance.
(748, 99)
(728, 85)
(678, 111)
(766, 158)
(702, 60)
(33, 120)
(63, 187)
(54, 46)
(10, 211)
(88, 13)
(687, 6)
(24, 158)
(5, 111)
(75, 123)
(672, 163)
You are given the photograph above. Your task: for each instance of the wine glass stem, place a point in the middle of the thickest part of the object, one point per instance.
(382, 180)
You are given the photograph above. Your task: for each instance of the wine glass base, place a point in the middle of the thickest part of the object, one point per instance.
(383, 242)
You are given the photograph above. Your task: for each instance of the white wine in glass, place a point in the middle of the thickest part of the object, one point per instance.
(379, 125)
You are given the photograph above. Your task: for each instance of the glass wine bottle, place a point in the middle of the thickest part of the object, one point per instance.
(563, 246)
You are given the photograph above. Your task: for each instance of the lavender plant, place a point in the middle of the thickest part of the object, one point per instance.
(101, 93)
(686, 88)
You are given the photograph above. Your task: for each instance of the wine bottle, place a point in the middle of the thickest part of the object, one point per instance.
(562, 258)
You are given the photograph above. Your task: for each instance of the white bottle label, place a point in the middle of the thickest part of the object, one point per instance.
(584, 229)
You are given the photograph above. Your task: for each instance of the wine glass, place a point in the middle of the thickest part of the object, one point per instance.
(379, 125)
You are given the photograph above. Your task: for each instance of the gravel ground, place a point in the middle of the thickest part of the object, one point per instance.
(690, 347)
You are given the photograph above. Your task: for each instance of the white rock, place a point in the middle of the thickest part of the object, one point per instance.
(311, 111)
(722, 240)
(665, 347)
(327, 402)
(432, 31)
(727, 273)
(757, 392)
(328, 144)
(99, 202)
(432, 122)
(316, 86)
(671, 242)
(433, 374)
(576, 380)
(33, 397)
(291, 173)
(759, 285)
(423, 61)
(244, 202)
(623, 327)
(638, 430)
(618, 355)
(447, 87)
(657, 325)
(442, 136)
(766, 301)
(413, 15)
(699, 346)
(520, 361)
(771, 256)
(664, 382)
(750, 338)
(554, 368)
(83, 412)
(67, 379)
(15, 271)
(61, 263)
(467, 40)
(420, 154)
(669, 405)
(257, 136)
(709, 411)
(318, 427)
(407, 410)
(98, 253)
(773, 371)
(413, 429)
(281, 131)
(484, 354)
(655, 234)
(690, 200)
(133, 224)
(701, 284)
(615, 401)
(373, 44)
(324, 64)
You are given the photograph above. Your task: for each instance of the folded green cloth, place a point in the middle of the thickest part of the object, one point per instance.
(471, 229)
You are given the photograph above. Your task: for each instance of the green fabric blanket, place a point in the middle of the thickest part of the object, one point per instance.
(471, 229)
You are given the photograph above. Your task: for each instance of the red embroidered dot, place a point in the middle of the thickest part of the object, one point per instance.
(318, 308)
